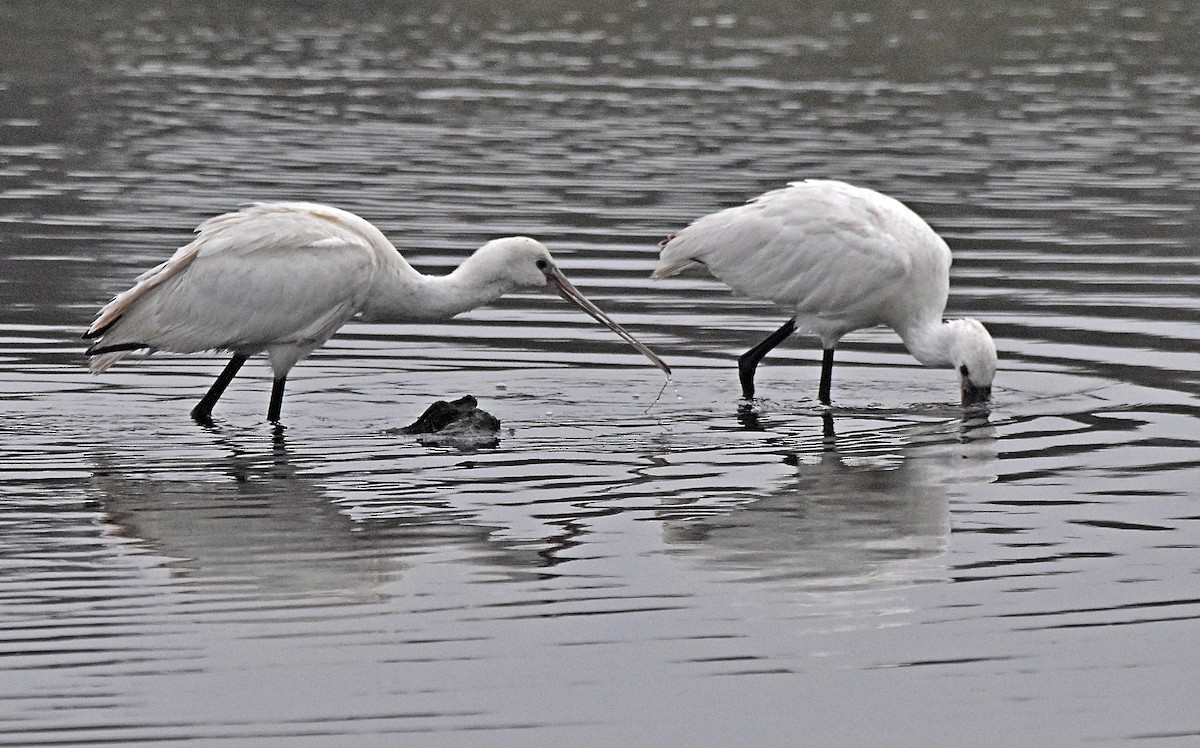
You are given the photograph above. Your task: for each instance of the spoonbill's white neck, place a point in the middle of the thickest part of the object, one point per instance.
(931, 343)
(402, 294)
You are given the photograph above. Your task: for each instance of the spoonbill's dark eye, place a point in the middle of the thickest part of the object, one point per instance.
(963, 370)
(542, 264)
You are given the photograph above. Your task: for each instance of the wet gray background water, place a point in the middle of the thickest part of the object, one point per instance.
(687, 575)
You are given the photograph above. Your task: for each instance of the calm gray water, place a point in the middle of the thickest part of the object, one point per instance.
(618, 570)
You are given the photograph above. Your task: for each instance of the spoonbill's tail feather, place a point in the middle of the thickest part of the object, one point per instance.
(674, 259)
(675, 268)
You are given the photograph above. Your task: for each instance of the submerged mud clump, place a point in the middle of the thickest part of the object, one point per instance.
(458, 424)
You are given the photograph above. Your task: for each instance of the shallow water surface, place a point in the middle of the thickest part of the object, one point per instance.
(673, 568)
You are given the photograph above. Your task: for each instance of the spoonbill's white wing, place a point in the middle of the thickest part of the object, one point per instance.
(817, 247)
(278, 274)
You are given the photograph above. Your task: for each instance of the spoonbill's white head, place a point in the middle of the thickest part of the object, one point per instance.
(974, 358)
(514, 261)
(521, 262)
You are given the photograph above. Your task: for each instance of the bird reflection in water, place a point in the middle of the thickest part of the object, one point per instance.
(864, 510)
(748, 416)
(251, 520)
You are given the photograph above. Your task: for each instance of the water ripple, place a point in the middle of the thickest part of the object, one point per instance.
(164, 582)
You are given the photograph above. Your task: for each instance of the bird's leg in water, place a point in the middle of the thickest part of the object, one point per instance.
(276, 399)
(749, 360)
(202, 413)
(826, 376)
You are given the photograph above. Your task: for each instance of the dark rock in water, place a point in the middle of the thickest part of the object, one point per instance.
(458, 424)
(442, 414)
(478, 429)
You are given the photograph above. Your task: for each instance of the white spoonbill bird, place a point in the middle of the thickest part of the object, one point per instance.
(283, 277)
(841, 258)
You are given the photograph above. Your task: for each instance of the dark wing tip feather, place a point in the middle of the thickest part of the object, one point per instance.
(96, 350)
(98, 331)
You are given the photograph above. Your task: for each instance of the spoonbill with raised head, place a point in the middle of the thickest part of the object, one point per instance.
(281, 278)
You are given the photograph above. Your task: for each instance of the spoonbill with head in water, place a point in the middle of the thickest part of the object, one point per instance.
(841, 258)
(283, 277)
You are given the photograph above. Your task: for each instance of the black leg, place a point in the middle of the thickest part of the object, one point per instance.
(202, 413)
(276, 399)
(748, 417)
(826, 376)
(749, 360)
(828, 432)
